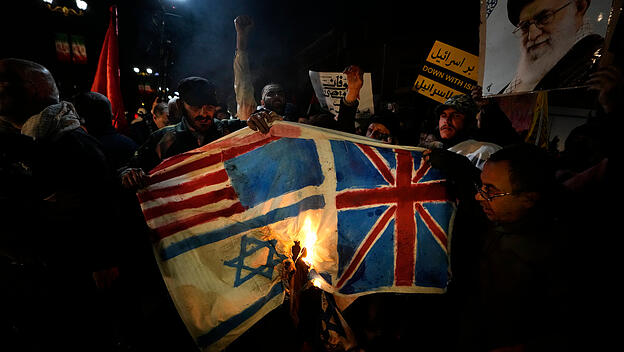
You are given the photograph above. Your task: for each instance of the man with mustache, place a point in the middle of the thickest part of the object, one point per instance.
(557, 47)
(456, 119)
(198, 126)
(461, 158)
(522, 300)
(274, 98)
(457, 126)
(512, 254)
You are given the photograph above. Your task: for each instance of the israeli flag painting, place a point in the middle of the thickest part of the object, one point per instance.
(373, 218)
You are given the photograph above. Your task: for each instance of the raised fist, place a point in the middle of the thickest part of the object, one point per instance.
(243, 23)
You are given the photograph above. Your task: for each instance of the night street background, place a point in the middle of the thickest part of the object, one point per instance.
(180, 38)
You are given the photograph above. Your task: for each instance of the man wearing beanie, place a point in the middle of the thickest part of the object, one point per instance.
(197, 127)
(457, 125)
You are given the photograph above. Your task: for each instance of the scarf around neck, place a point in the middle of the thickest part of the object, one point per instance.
(53, 122)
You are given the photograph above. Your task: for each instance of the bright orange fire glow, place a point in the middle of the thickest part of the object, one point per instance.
(317, 282)
(308, 241)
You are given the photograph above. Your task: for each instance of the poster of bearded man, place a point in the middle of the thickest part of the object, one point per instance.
(531, 45)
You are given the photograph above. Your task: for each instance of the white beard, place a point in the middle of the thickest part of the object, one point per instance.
(534, 65)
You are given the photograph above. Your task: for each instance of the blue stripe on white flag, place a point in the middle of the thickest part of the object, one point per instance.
(222, 329)
(275, 215)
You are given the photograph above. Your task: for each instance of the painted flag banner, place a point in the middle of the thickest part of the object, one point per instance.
(373, 218)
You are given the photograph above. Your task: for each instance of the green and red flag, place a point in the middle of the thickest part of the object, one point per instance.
(79, 50)
(61, 41)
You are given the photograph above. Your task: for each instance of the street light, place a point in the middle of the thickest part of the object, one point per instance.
(81, 7)
(81, 4)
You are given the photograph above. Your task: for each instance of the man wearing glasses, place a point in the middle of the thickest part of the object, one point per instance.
(557, 47)
(524, 258)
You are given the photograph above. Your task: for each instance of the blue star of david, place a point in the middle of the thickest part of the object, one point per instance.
(331, 318)
(249, 246)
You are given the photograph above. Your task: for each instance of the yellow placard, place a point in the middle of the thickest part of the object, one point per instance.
(434, 90)
(445, 77)
(456, 60)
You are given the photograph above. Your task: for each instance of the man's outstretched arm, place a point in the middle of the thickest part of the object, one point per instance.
(243, 87)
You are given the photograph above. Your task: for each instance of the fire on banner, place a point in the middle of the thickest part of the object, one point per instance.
(373, 218)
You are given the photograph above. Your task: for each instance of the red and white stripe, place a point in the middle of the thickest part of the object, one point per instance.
(193, 188)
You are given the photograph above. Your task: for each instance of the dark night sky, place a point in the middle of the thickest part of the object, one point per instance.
(390, 39)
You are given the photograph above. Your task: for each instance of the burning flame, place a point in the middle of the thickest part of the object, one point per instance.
(309, 240)
(317, 282)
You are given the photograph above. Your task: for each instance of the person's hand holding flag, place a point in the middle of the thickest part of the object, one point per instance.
(261, 120)
(133, 178)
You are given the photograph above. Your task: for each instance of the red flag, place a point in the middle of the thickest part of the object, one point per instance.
(106, 79)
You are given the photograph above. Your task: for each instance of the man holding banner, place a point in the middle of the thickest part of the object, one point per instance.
(198, 101)
(372, 217)
(457, 128)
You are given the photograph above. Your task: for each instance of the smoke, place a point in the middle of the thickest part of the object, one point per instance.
(204, 45)
(205, 41)
(200, 40)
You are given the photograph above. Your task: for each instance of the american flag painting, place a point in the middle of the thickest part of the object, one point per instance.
(224, 217)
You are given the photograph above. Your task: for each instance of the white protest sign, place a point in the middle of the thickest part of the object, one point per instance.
(330, 87)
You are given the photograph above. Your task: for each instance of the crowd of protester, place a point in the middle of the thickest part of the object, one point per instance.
(530, 270)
